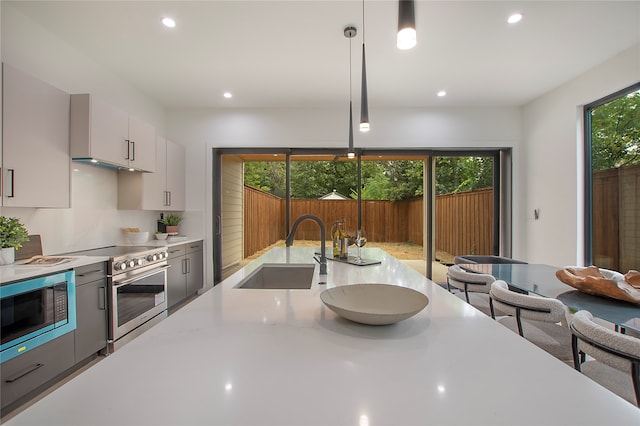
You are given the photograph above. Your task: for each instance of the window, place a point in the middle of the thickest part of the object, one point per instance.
(612, 147)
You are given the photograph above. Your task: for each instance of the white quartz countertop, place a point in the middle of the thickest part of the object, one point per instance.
(279, 357)
(17, 271)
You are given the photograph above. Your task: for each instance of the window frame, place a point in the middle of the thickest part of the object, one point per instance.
(588, 169)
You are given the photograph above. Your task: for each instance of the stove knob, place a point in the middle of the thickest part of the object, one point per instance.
(120, 266)
(139, 262)
(152, 258)
(131, 263)
(161, 255)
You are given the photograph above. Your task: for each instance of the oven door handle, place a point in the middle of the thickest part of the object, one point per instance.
(117, 284)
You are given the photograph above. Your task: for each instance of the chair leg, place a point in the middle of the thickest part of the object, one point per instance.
(576, 353)
(635, 378)
(491, 308)
(466, 293)
(519, 322)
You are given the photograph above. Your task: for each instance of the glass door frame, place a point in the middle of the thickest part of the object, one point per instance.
(502, 199)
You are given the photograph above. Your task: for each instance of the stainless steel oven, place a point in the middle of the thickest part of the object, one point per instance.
(137, 289)
(137, 293)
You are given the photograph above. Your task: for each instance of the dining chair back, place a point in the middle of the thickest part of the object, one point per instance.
(541, 320)
(616, 356)
(470, 284)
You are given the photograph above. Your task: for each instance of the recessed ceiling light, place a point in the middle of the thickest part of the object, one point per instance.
(227, 95)
(168, 22)
(516, 17)
(442, 93)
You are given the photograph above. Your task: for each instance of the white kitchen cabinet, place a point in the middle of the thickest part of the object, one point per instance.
(109, 135)
(35, 142)
(163, 190)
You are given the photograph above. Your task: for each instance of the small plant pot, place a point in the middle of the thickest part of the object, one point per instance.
(172, 230)
(7, 256)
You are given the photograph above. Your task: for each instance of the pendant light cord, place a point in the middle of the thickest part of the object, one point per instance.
(363, 31)
(350, 97)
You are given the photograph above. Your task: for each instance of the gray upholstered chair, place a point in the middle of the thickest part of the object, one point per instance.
(616, 357)
(474, 288)
(542, 321)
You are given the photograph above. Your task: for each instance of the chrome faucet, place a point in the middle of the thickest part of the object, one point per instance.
(323, 257)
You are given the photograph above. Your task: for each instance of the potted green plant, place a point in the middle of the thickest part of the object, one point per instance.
(171, 221)
(12, 234)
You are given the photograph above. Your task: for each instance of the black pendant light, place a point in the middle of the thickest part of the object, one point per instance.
(350, 33)
(364, 105)
(406, 24)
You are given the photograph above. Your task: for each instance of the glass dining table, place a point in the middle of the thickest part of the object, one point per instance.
(541, 280)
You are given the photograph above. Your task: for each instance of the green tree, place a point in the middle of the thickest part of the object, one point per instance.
(615, 133)
(381, 180)
(268, 176)
(313, 179)
(457, 174)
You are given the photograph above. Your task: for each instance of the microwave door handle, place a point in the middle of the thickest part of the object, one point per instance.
(139, 277)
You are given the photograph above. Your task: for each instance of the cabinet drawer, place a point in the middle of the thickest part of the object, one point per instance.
(176, 251)
(25, 373)
(88, 273)
(195, 246)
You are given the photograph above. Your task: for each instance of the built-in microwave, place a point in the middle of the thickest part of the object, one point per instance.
(36, 311)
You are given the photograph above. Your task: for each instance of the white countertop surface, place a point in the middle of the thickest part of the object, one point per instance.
(17, 271)
(279, 357)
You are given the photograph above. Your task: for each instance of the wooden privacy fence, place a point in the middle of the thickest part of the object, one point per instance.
(463, 223)
(616, 218)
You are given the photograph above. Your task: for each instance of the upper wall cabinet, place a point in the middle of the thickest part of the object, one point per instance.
(162, 190)
(35, 142)
(105, 134)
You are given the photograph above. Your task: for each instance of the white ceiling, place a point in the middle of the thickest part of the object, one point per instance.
(294, 54)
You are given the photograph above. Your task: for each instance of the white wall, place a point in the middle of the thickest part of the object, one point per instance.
(93, 221)
(203, 129)
(553, 147)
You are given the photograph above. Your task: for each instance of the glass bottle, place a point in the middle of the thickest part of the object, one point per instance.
(344, 240)
(335, 236)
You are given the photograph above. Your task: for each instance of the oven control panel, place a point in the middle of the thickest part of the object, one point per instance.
(138, 260)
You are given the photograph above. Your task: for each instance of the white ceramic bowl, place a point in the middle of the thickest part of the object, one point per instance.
(137, 237)
(161, 236)
(374, 304)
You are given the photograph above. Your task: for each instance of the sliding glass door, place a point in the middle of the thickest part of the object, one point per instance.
(399, 199)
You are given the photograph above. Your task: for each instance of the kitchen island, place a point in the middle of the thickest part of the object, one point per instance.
(251, 356)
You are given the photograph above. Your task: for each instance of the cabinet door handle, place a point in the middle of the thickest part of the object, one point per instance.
(169, 193)
(128, 149)
(102, 298)
(86, 274)
(133, 151)
(188, 266)
(184, 266)
(11, 179)
(24, 373)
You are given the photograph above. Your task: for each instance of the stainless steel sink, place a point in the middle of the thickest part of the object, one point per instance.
(280, 276)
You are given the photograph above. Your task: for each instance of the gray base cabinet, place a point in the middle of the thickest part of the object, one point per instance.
(28, 374)
(185, 275)
(91, 310)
